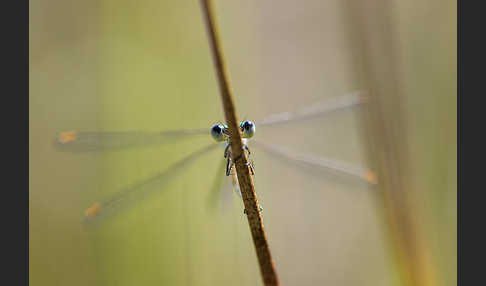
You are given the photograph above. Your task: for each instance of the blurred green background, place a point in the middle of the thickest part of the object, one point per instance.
(146, 66)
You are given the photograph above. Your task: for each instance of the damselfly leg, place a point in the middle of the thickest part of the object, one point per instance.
(230, 162)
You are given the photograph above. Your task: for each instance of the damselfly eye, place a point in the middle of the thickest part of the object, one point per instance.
(217, 132)
(247, 128)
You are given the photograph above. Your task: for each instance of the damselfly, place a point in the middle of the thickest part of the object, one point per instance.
(73, 141)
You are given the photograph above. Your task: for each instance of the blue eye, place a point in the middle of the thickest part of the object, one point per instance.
(217, 132)
(247, 128)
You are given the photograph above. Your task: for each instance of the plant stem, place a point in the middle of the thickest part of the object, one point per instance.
(255, 220)
(375, 41)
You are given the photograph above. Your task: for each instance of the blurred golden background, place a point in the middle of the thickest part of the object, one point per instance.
(146, 66)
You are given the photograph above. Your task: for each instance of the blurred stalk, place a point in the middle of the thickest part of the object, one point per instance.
(375, 45)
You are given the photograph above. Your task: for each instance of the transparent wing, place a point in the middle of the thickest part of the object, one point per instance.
(318, 109)
(74, 141)
(221, 192)
(217, 187)
(320, 163)
(128, 196)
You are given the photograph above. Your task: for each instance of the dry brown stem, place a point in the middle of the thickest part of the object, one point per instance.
(245, 180)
